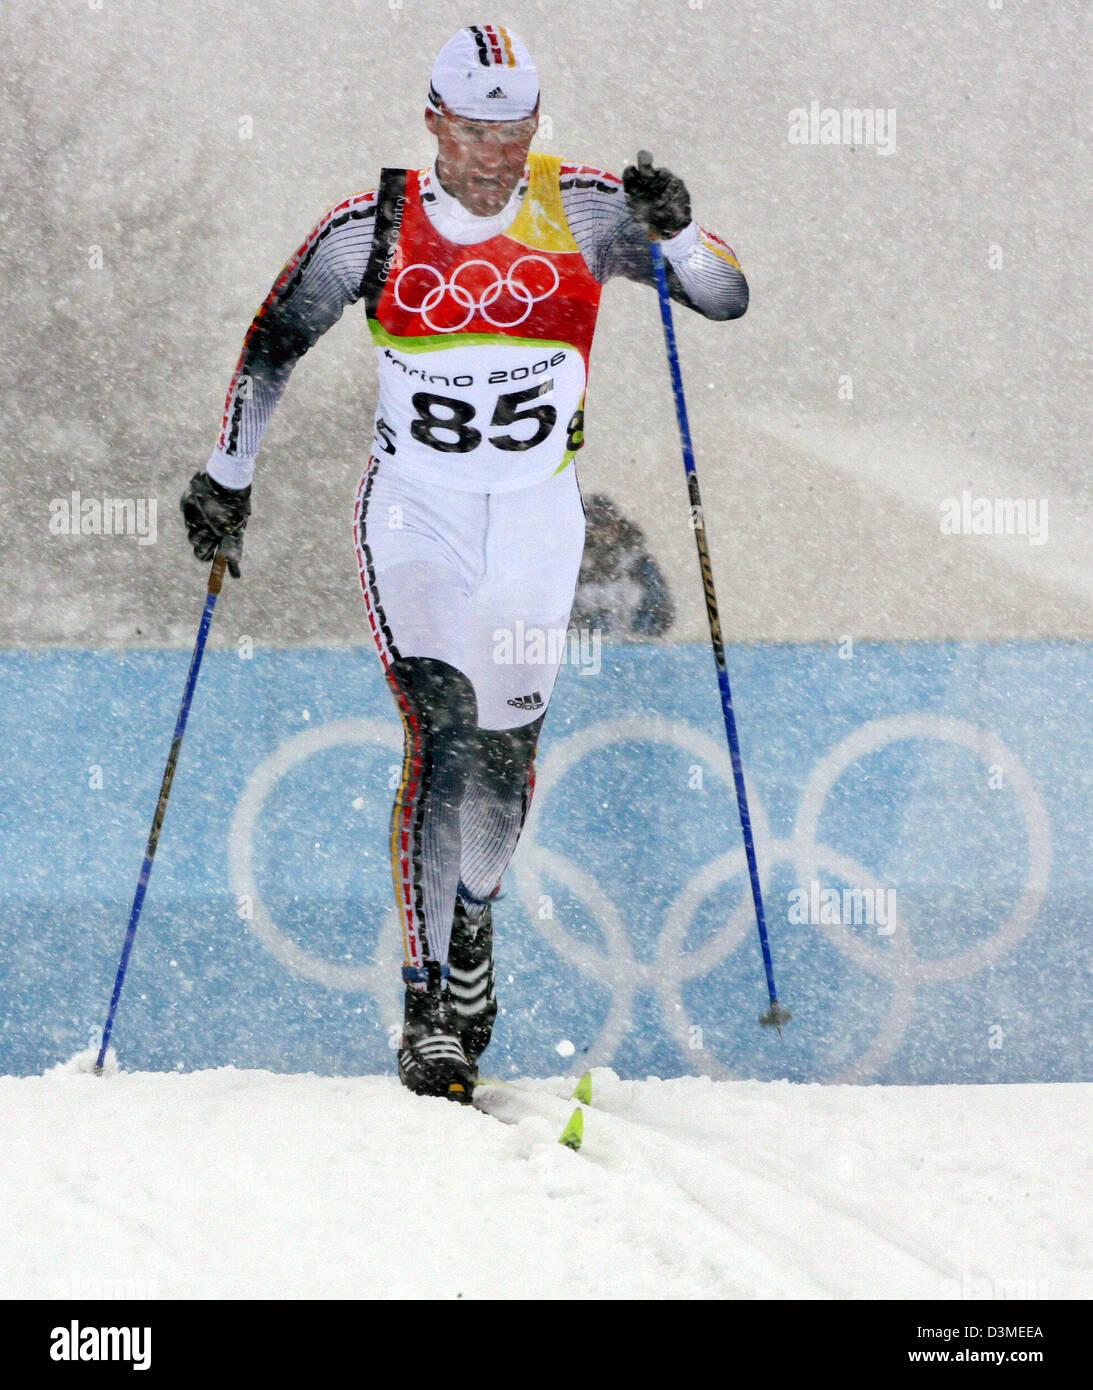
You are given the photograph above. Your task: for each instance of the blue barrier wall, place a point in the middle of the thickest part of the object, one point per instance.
(947, 787)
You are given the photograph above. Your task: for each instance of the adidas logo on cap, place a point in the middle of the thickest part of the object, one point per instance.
(497, 92)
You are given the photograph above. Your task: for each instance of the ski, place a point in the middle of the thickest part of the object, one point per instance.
(572, 1135)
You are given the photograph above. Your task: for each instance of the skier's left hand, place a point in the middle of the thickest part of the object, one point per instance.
(658, 199)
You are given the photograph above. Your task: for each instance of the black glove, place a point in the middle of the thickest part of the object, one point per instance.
(216, 515)
(657, 198)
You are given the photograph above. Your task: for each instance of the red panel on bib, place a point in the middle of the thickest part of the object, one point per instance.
(499, 287)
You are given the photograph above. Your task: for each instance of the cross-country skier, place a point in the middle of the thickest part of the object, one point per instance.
(481, 278)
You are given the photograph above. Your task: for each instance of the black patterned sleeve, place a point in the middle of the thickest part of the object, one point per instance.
(307, 298)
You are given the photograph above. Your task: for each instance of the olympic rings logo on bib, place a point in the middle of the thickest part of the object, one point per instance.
(462, 293)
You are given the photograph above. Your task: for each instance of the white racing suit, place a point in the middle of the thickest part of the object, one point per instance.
(468, 523)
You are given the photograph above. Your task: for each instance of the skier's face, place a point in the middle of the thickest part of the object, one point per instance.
(480, 162)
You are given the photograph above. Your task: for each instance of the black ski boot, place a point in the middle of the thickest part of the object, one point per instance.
(431, 1060)
(470, 982)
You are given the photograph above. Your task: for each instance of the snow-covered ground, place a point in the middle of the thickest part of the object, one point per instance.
(233, 1184)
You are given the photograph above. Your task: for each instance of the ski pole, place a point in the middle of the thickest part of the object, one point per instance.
(216, 576)
(777, 1014)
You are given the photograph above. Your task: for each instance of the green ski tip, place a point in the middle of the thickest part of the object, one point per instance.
(574, 1131)
(583, 1089)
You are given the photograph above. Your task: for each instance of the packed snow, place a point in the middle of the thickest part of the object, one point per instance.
(243, 1184)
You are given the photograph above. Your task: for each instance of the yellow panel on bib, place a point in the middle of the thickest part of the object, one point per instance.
(541, 222)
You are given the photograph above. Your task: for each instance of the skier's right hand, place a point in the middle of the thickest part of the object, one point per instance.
(216, 516)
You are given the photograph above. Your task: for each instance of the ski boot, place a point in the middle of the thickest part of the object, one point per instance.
(431, 1059)
(470, 979)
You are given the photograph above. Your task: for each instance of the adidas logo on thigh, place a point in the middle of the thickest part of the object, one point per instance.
(534, 701)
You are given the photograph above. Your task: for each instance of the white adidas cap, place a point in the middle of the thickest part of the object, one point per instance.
(484, 73)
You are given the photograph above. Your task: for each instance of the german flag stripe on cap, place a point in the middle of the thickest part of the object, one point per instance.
(494, 45)
(501, 45)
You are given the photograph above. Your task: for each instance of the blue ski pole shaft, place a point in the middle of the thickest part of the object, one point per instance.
(216, 577)
(777, 1014)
